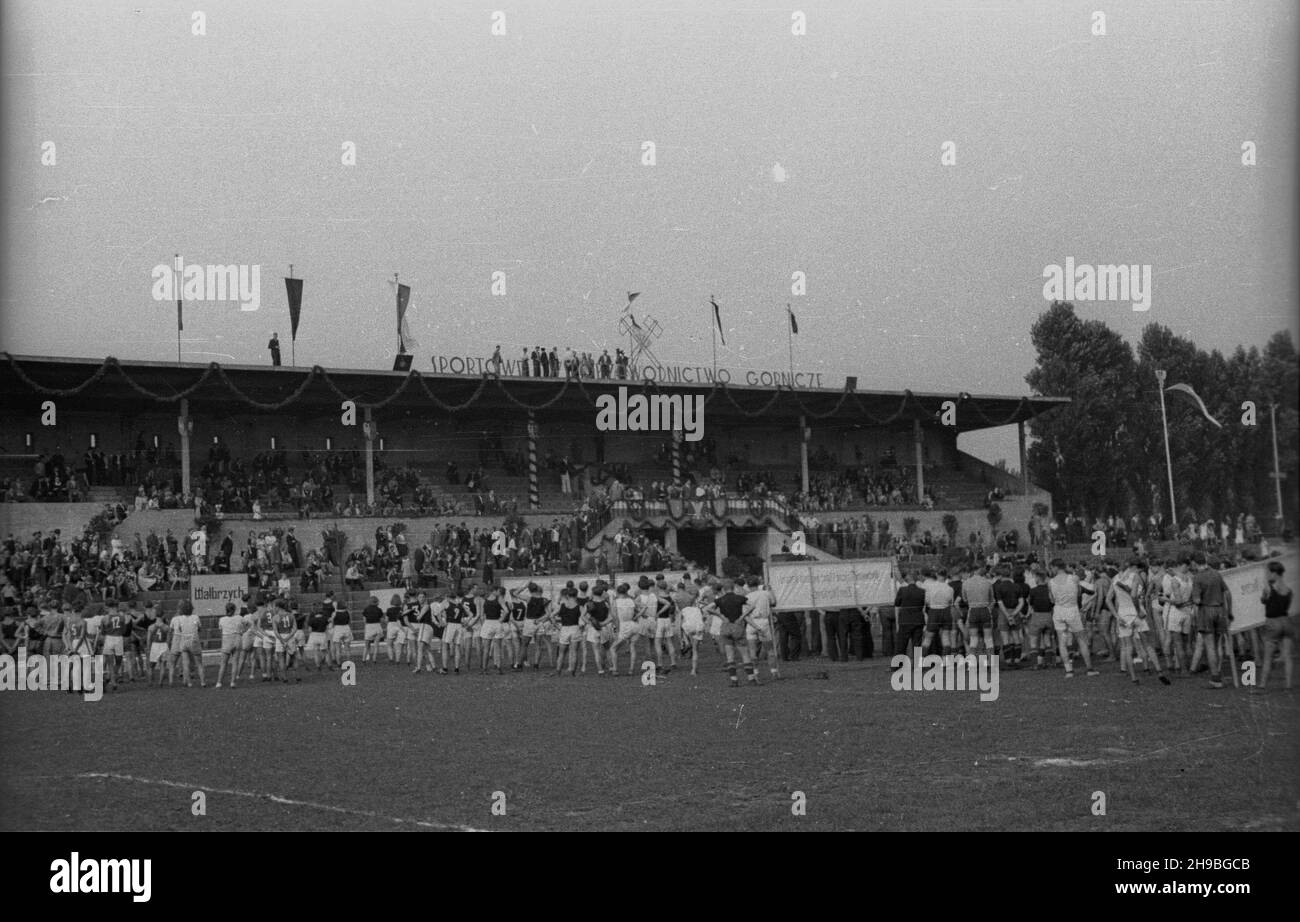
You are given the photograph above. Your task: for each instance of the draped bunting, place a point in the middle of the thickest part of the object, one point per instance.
(908, 405)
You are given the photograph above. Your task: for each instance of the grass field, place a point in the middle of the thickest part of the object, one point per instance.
(399, 751)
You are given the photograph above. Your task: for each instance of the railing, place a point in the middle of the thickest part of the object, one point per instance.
(729, 504)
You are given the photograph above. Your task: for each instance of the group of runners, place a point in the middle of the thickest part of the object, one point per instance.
(1172, 613)
(1149, 614)
(594, 622)
(488, 627)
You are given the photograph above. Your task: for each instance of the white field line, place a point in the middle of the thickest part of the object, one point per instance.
(275, 798)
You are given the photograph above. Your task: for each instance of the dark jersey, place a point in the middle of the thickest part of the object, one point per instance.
(731, 605)
(1040, 599)
(569, 615)
(598, 612)
(536, 607)
(909, 602)
(318, 622)
(373, 614)
(455, 612)
(394, 614)
(116, 624)
(1005, 591)
(341, 618)
(492, 610)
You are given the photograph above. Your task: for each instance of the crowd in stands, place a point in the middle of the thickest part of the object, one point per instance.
(1207, 534)
(539, 362)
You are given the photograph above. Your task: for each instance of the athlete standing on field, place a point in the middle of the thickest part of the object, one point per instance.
(232, 638)
(730, 605)
(1066, 618)
(758, 629)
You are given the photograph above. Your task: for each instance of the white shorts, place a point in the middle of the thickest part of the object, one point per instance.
(664, 628)
(593, 635)
(759, 630)
(648, 627)
(480, 629)
(157, 651)
(529, 627)
(568, 634)
(264, 643)
(1067, 619)
(395, 633)
(692, 626)
(490, 630)
(316, 641)
(1178, 620)
(231, 643)
(341, 633)
(113, 645)
(374, 631)
(452, 633)
(1131, 623)
(289, 645)
(627, 629)
(715, 626)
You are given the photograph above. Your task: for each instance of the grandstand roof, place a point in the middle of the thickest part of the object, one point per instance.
(110, 385)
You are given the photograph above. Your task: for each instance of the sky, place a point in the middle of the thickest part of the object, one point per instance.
(129, 138)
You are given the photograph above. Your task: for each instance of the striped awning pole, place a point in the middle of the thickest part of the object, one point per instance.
(534, 499)
(677, 457)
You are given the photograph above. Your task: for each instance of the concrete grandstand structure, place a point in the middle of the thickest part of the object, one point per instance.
(424, 421)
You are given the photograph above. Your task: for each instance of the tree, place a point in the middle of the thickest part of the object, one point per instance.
(1078, 452)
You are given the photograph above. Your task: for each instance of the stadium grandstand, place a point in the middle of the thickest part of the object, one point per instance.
(150, 452)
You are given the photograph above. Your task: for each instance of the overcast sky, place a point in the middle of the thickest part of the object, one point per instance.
(523, 153)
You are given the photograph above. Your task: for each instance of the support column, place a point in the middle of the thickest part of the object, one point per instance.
(677, 457)
(1024, 467)
(803, 455)
(369, 430)
(670, 538)
(918, 437)
(185, 426)
(534, 499)
(719, 547)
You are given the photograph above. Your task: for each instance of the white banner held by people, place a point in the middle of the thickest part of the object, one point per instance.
(1247, 584)
(211, 591)
(831, 584)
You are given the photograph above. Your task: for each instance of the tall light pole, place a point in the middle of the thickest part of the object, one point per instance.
(1277, 470)
(1169, 466)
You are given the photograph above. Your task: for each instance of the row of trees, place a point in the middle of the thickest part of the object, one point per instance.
(1103, 454)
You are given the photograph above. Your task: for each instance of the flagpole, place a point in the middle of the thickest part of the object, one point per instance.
(789, 335)
(397, 290)
(1277, 470)
(293, 334)
(1169, 465)
(178, 308)
(713, 328)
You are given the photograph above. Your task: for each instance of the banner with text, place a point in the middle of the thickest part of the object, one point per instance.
(210, 592)
(831, 584)
(550, 585)
(1248, 582)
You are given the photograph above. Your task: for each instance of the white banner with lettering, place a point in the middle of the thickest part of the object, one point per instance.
(550, 585)
(1248, 582)
(831, 584)
(211, 591)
